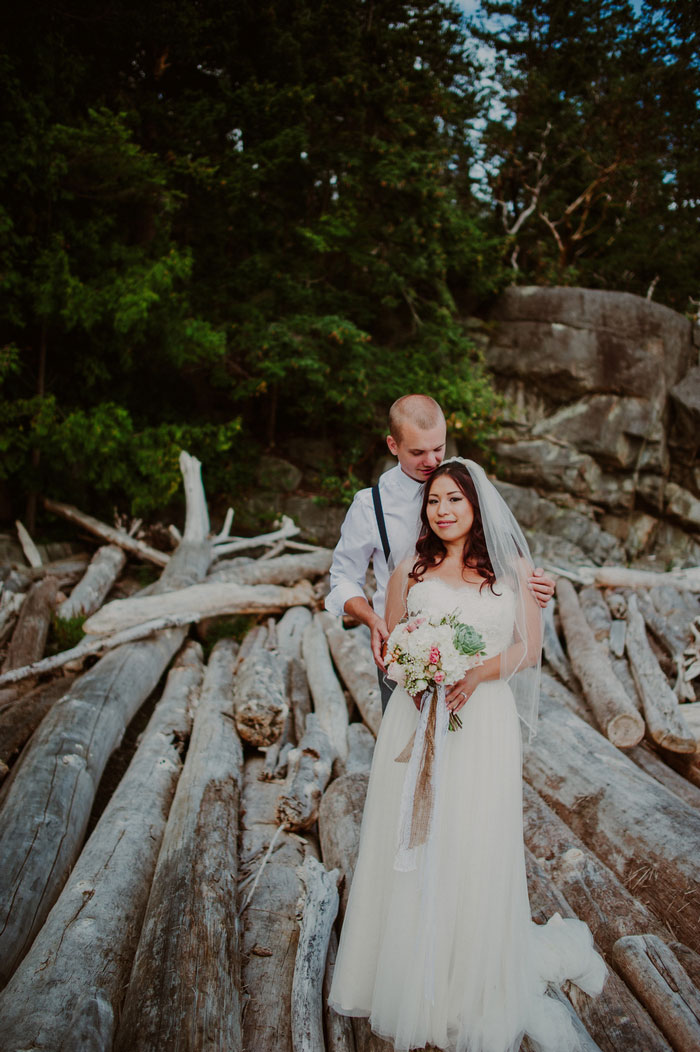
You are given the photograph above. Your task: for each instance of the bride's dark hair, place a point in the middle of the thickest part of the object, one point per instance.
(430, 548)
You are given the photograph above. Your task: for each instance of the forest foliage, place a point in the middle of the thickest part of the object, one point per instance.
(226, 224)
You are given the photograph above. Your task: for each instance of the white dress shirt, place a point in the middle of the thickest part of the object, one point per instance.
(360, 541)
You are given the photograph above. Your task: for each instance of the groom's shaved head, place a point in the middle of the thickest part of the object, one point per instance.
(414, 410)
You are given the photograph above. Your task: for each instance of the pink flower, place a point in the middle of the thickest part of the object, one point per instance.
(434, 656)
(439, 677)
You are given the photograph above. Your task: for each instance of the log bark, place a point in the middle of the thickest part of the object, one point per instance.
(360, 749)
(259, 699)
(661, 711)
(643, 832)
(285, 569)
(596, 612)
(338, 1028)
(649, 760)
(290, 632)
(614, 1020)
(90, 593)
(299, 697)
(309, 767)
(353, 659)
(29, 637)
(185, 988)
(201, 600)
(20, 718)
(47, 807)
(328, 698)
(110, 534)
(659, 981)
(615, 713)
(339, 823)
(320, 906)
(366, 1041)
(85, 948)
(270, 931)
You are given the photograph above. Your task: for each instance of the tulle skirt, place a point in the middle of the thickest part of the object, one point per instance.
(464, 968)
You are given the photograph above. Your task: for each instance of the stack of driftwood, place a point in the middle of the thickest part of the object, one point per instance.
(200, 913)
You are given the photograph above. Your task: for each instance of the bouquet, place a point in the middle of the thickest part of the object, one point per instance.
(423, 653)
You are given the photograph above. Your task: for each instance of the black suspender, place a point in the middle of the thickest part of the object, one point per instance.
(379, 512)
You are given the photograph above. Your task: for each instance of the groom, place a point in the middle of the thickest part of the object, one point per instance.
(373, 527)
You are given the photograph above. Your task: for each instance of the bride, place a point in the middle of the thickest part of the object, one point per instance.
(442, 951)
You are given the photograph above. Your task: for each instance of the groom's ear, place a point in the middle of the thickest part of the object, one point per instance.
(393, 445)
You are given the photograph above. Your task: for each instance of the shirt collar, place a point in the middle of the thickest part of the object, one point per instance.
(407, 486)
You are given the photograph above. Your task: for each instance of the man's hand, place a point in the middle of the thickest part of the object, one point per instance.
(380, 633)
(541, 585)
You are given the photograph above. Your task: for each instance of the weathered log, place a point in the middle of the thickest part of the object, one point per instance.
(275, 764)
(360, 749)
(285, 569)
(299, 697)
(47, 807)
(689, 959)
(662, 985)
(20, 718)
(614, 1019)
(309, 768)
(319, 909)
(290, 631)
(339, 823)
(29, 548)
(329, 701)
(10, 606)
(90, 593)
(615, 713)
(86, 944)
(67, 571)
(691, 713)
(353, 659)
(366, 1041)
(185, 988)
(110, 534)
(592, 889)
(673, 638)
(201, 600)
(661, 711)
(92, 645)
(649, 760)
(241, 544)
(596, 612)
(270, 931)
(29, 637)
(338, 1028)
(259, 698)
(553, 652)
(618, 632)
(643, 832)
(621, 577)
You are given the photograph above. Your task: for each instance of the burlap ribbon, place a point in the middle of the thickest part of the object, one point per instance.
(423, 794)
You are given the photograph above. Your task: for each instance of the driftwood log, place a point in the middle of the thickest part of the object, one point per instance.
(185, 989)
(10, 606)
(614, 1020)
(270, 931)
(285, 569)
(309, 771)
(92, 590)
(338, 1028)
(84, 950)
(67, 571)
(29, 548)
(360, 749)
(596, 612)
(200, 600)
(329, 701)
(552, 650)
(649, 760)
(29, 637)
(20, 717)
(643, 832)
(621, 577)
(673, 637)
(353, 659)
(660, 983)
(615, 713)
(110, 534)
(259, 698)
(47, 807)
(319, 909)
(661, 710)
(339, 823)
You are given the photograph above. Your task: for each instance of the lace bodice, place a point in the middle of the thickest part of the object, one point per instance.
(493, 615)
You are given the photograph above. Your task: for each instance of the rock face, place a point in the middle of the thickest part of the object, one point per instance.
(603, 420)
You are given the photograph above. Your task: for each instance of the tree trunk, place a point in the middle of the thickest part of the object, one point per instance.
(320, 906)
(20, 718)
(643, 832)
(286, 569)
(259, 699)
(90, 593)
(29, 637)
(85, 948)
(659, 981)
(185, 989)
(339, 822)
(661, 711)
(309, 767)
(202, 600)
(615, 713)
(107, 533)
(329, 701)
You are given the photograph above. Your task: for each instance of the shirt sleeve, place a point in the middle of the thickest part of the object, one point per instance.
(352, 556)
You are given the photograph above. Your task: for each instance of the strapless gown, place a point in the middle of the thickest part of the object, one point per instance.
(467, 969)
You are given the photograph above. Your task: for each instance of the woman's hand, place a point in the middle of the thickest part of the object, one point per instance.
(459, 693)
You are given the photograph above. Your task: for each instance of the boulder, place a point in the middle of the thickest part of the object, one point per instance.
(680, 504)
(278, 475)
(551, 465)
(685, 411)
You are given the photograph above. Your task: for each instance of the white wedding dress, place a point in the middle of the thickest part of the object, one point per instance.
(464, 968)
